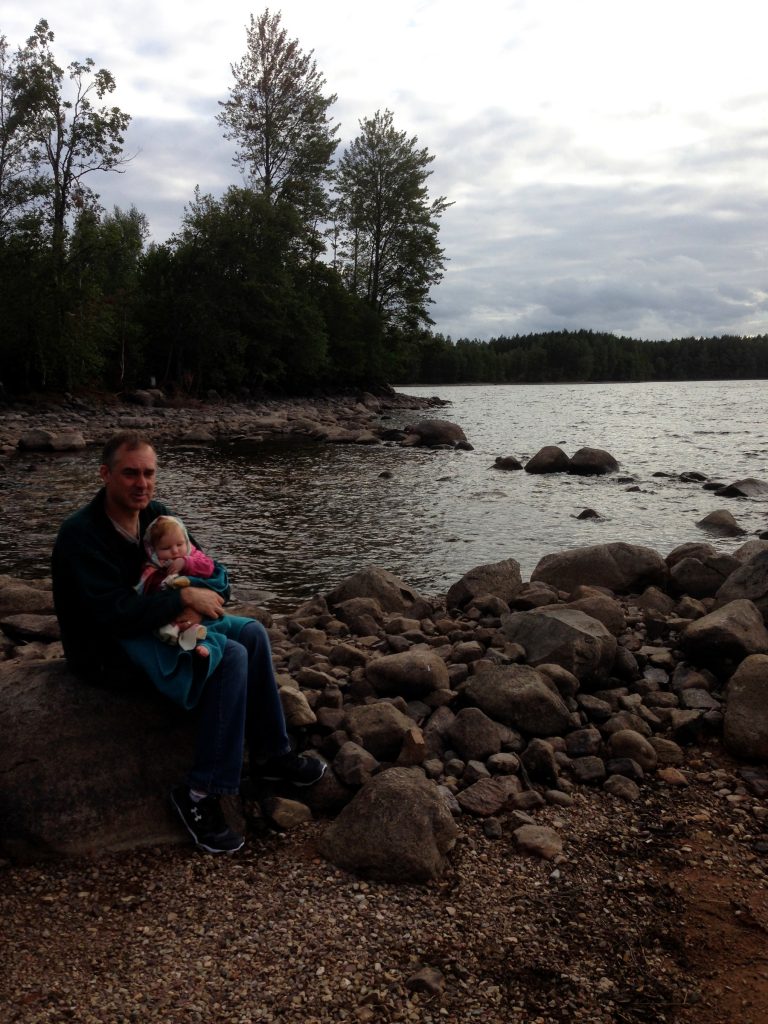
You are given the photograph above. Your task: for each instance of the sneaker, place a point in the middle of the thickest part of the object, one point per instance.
(294, 768)
(205, 822)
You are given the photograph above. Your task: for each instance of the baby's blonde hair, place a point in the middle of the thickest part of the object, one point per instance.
(161, 526)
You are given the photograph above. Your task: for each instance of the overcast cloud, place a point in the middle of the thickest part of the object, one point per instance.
(606, 159)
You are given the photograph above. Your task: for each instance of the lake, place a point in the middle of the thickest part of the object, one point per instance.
(292, 520)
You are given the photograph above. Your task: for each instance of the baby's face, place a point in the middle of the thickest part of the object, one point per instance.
(171, 544)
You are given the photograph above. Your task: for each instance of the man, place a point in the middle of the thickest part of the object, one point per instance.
(97, 560)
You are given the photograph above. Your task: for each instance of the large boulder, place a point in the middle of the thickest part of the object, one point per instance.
(592, 462)
(549, 459)
(435, 432)
(520, 697)
(702, 577)
(17, 597)
(414, 673)
(725, 636)
(391, 593)
(722, 523)
(501, 579)
(379, 728)
(624, 568)
(747, 488)
(745, 728)
(396, 829)
(749, 582)
(563, 636)
(83, 769)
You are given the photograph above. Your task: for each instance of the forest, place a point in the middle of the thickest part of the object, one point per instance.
(557, 357)
(313, 273)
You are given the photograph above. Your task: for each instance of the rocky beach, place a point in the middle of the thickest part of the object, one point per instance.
(546, 798)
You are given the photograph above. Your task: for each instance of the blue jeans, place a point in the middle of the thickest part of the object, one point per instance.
(240, 705)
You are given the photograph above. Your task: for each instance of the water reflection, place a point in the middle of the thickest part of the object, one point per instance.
(292, 520)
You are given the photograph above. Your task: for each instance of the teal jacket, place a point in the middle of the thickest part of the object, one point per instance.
(103, 619)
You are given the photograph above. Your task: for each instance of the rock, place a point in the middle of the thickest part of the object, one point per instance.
(539, 840)
(538, 759)
(747, 551)
(484, 798)
(518, 696)
(363, 615)
(396, 829)
(623, 568)
(749, 582)
(31, 627)
(549, 459)
(601, 607)
(588, 770)
(507, 462)
(18, 597)
(726, 636)
(622, 787)
(592, 462)
(583, 742)
(474, 735)
(52, 800)
(745, 727)
(747, 488)
(381, 728)
(298, 713)
(286, 813)
(412, 674)
(567, 637)
(699, 578)
(436, 432)
(630, 744)
(588, 513)
(500, 579)
(721, 522)
(391, 593)
(39, 440)
(428, 980)
(354, 765)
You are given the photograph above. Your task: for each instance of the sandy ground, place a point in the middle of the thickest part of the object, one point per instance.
(657, 912)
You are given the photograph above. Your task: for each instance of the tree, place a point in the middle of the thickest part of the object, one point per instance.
(70, 138)
(388, 248)
(278, 117)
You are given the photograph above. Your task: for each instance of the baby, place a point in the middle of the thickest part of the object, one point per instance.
(172, 559)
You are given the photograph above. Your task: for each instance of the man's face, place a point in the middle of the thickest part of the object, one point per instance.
(130, 482)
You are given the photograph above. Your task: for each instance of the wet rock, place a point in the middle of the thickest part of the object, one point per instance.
(721, 522)
(549, 459)
(749, 487)
(588, 513)
(436, 432)
(397, 829)
(592, 462)
(507, 462)
(622, 568)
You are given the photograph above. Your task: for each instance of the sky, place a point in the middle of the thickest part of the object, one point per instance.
(607, 160)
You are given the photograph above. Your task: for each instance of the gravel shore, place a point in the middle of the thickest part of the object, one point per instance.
(656, 912)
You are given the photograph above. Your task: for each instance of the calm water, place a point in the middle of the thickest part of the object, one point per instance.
(291, 521)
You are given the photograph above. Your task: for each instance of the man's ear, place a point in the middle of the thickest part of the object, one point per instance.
(104, 472)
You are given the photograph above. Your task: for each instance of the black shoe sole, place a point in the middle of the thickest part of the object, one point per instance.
(198, 843)
(293, 782)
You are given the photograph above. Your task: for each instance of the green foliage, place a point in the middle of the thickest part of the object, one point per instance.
(278, 118)
(567, 356)
(387, 228)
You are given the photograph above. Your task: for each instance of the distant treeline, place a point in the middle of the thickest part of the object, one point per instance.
(567, 356)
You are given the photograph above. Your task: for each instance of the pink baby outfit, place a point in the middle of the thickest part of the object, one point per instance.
(155, 575)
